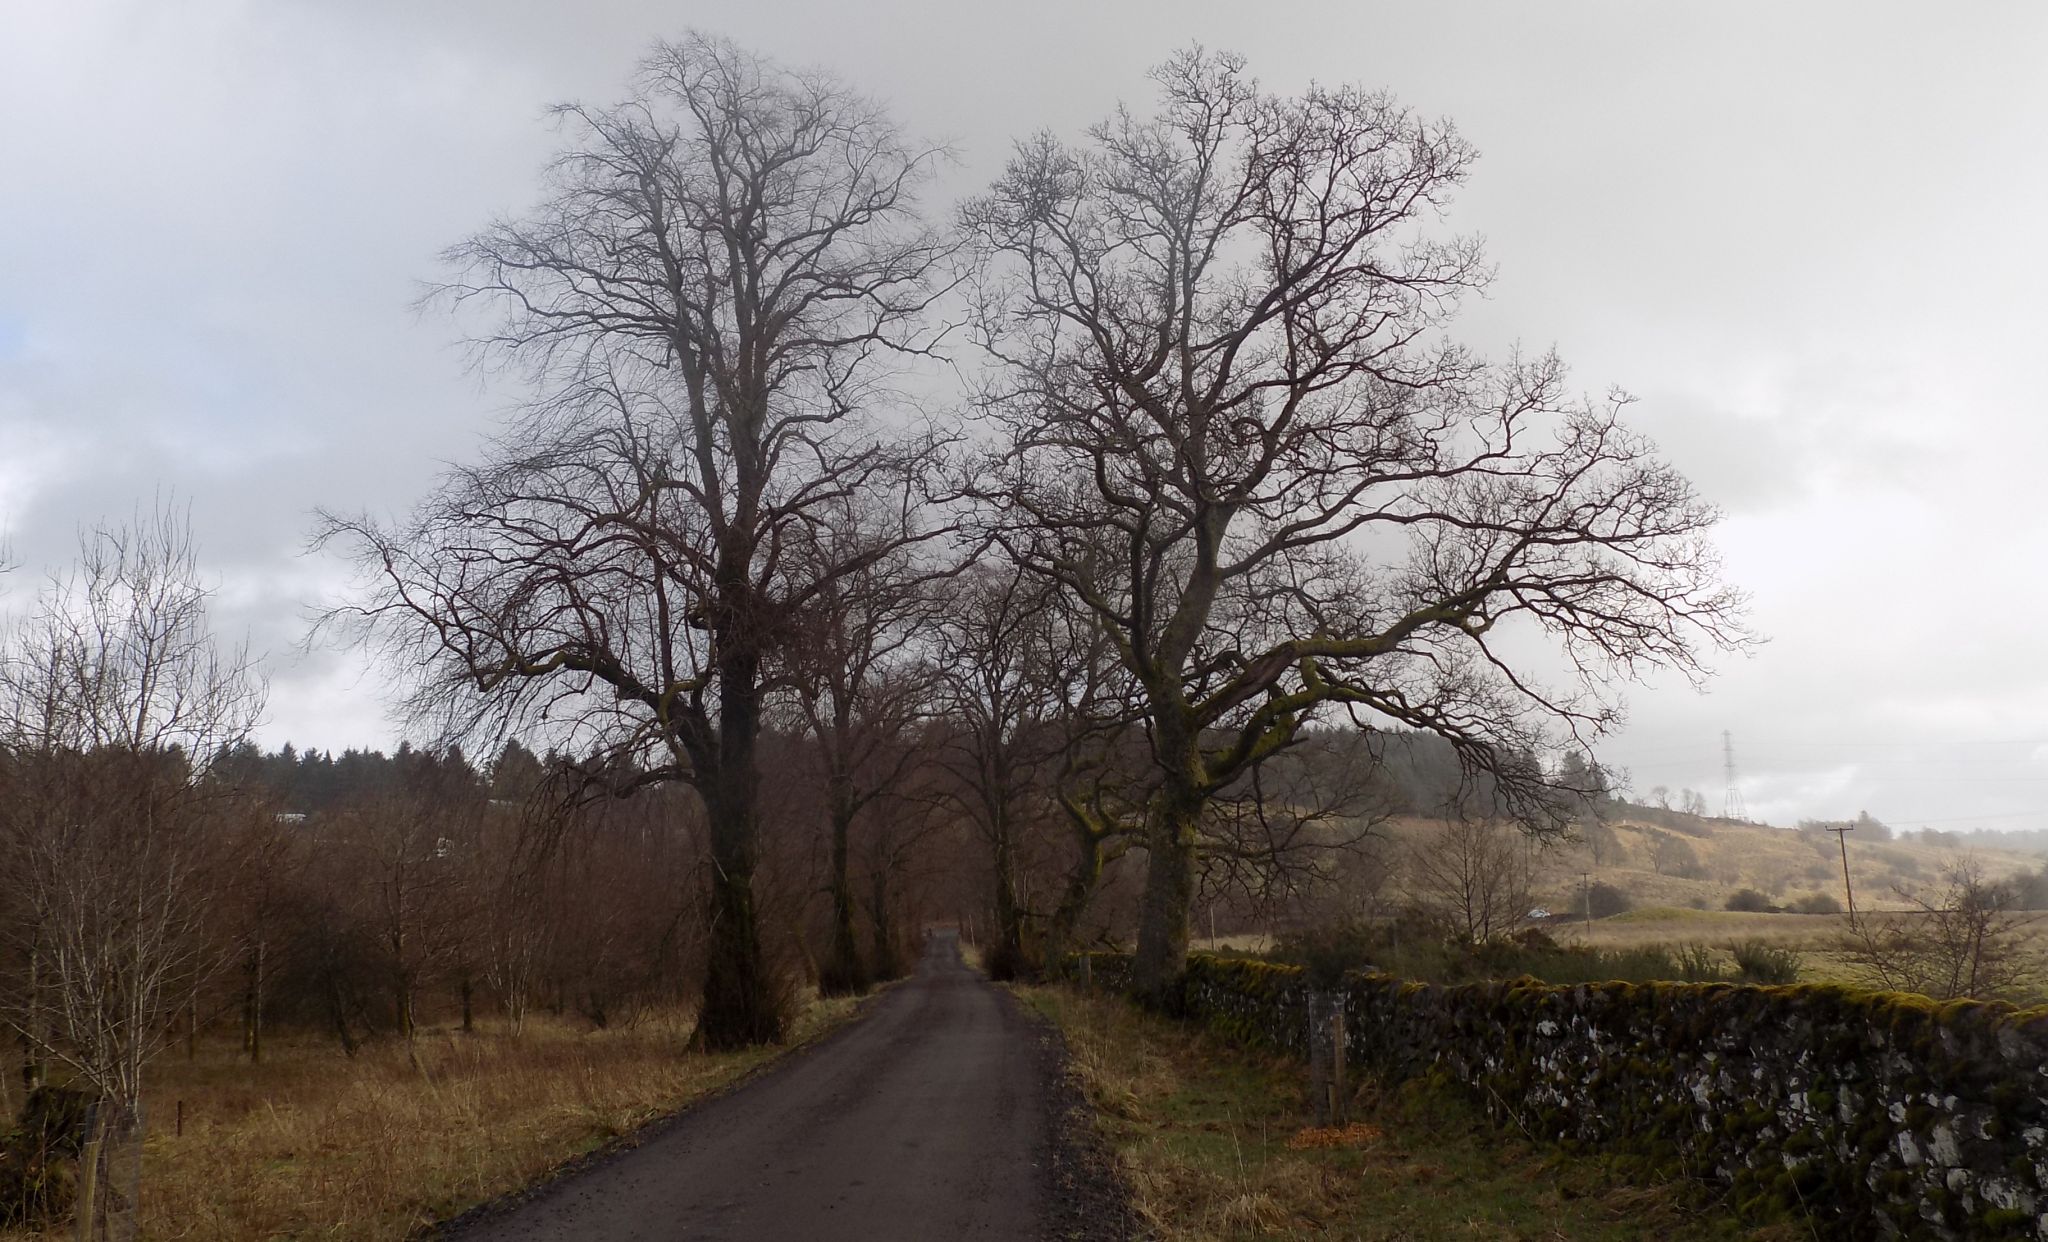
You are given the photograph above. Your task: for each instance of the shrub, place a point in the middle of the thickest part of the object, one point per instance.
(1695, 963)
(1327, 953)
(35, 1189)
(36, 1172)
(1749, 901)
(1817, 903)
(1759, 962)
(1604, 900)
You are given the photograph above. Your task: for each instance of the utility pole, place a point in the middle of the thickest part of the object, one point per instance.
(1842, 832)
(1731, 800)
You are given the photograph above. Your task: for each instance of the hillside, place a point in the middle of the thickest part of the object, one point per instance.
(1691, 862)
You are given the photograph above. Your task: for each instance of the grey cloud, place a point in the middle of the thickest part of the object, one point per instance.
(1806, 239)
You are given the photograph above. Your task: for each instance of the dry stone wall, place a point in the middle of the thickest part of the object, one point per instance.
(1868, 1114)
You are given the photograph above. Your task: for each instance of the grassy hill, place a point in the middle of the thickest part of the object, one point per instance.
(1668, 859)
(1696, 863)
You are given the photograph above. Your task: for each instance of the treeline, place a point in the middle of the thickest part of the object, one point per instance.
(365, 894)
(385, 890)
(311, 781)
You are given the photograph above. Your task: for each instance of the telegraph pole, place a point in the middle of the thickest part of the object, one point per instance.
(1842, 832)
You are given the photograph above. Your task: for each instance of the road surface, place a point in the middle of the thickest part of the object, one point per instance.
(929, 1117)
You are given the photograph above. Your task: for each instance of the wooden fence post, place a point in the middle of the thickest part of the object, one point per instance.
(1321, 1061)
(1340, 1095)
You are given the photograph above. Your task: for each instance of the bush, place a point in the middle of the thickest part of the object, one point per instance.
(1749, 901)
(1327, 953)
(1817, 903)
(36, 1158)
(1604, 900)
(35, 1190)
(1695, 963)
(1758, 962)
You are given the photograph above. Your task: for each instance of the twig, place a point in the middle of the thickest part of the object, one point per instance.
(1506, 1108)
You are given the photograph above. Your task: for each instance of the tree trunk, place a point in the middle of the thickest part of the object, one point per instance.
(252, 1005)
(110, 1174)
(1006, 961)
(1062, 935)
(740, 1004)
(402, 1000)
(32, 1071)
(337, 1013)
(468, 1007)
(844, 973)
(887, 960)
(1169, 897)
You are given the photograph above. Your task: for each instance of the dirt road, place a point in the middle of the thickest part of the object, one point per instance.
(933, 1116)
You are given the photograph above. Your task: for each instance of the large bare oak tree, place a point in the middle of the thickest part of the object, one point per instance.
(704, 302)
(1218, 332)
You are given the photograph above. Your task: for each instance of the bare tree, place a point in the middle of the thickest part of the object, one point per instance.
(861, 692)
(1218, 370)
(703, 302)
(1967, 939)
(116, 701)
(409, 849)
(1474, 879)
(1282, 831)
(997, 652)
(1603, 843)
(1671, 854)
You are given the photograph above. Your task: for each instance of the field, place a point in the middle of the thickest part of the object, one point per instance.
(314, 1144)
(1209, 1138)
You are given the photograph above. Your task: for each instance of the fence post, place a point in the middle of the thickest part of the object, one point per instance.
(1340, 1095)
(1321, 1059)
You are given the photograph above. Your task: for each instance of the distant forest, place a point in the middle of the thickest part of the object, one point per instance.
(1368, 773)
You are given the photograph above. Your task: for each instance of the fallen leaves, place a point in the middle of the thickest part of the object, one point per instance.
(1357, 1134)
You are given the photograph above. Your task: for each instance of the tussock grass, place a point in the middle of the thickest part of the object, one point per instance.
(312, 1144)
(1202, 1133)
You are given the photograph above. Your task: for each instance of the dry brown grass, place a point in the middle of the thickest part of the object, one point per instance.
(1780, 862)
(312, 1144)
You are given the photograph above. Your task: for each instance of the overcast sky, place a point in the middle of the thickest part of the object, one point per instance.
(1809, 238)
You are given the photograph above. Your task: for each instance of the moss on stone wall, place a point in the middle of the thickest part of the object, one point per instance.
(1868, 1113)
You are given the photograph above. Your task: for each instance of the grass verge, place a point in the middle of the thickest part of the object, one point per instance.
(1209, 1138)
(311, 1144)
